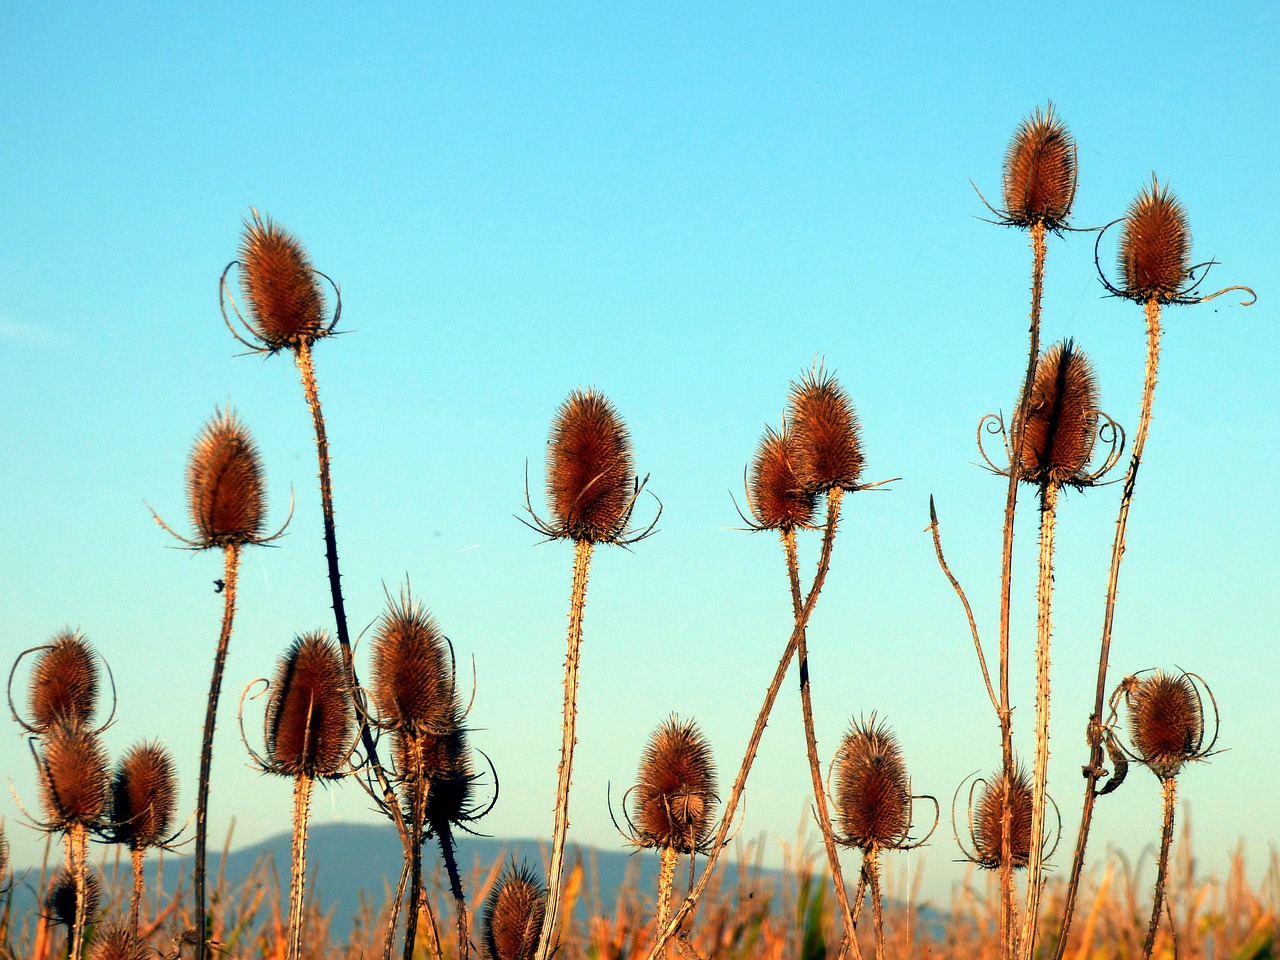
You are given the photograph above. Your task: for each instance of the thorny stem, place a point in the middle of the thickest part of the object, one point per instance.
(577, 604)
(231, 567)
(448, 853)
(666, 877)
(1094, 771)
(78, 849)
(135, 899)
(1170, 786)
(413, 850)
(298, 879)
(871, 866)
(396, 903)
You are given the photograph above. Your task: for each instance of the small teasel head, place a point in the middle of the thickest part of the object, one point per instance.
(413, 681)
(114, 941)
(1039, 173)
(144, 797)
(434, 769)
(60, 898)
(512, 915)
(1155, 246)
(987, 818)
(74, 778)
(872, 789)
(674, 798)
(224, 484)
(1061, 424)
(64, 682)
(1166, 721)
(824, 426)
(776, 497)
(310, 721)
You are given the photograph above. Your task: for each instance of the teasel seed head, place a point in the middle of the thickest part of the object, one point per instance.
(60, 900)
(824, 428)
(74, 778)
(114, 941)
(4, 857)
(988, 819)
(285, 303)
(591, 482)
(1040, 172)
(1166, 722)
(778, 500)
(144, 796)
(64, 682)
(413, 677)
(873, 791)
(440, 765)
(310, 720)
(224, 485)
(1062, 418)
(674, 799)
(513, 915)
(1155, 246)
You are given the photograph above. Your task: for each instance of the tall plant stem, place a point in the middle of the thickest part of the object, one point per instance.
(298, 876)
(1170, 789)
(413, 848)
(448, 852)
(666, 879)
(78, 854)
(871, 866)
(135, 899)
(577, 604)
(1094, 771)
(231, 567)
(397, 902)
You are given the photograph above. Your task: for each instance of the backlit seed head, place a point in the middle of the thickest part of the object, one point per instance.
(224, 484)
(64, 682)
(1062, 417)
(1155, 246)
(60, 899)
(144, 796)
(74, 778)
(778, 500)
(1040, 172)
(873, 792)
(674, 799)
(114, 942)
(827, 452)
(285, 303)
(1166, 722)
(590, 476)
(413, 681)
(513, 914)
(988, 814)
(309, 715)
(435, 774)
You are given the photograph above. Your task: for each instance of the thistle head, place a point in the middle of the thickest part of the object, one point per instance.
(591, 482)
(827, 452)
(1155, 247)
(777, 499)
(60, 899)
(64, 682)
(435, 774)
(873, 791)
(281, 289)
(1166, 721)
(1061, 421)
(511, 920)
(987, 821)
(144, 796)
(224, 485)
(74, 778)
(114, 941)
(674, 798)
(309, 714)
(1040, 172)
(413, 678)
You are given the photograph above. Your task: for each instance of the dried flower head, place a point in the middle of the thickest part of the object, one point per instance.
(285, 303)
(1155, 246)
(1166, 721)
(435, 774)
(777, 499)
(1062, 418)
(64, 682)
(1040, 172)
(114, 941)
(224, 485)
(60, 899)
(413, 678)
(826, 451)
(144, 796)
(309, 715)
(872, 789)
(591, 483)
(513, 915)
(74, 778)
(988, 819)
(674, 798)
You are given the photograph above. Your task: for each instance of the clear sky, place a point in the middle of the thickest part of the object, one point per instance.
(683, 208)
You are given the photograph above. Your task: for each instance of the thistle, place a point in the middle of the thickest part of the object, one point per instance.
(986, 820)
(144, 798)
(63, 684)
(115, 942)
(71, 903)
(512, 915)
(1039, 173)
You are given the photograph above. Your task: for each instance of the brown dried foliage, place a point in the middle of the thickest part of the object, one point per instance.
(115, 942)
(1166, 722)
(873, 791)
(827, 452)
(310, 720)
(1155, 246)
(60, 899)
(224, 484)
(64, 682)
(674, 799)
(1040, 172)
(286, 305)
(1062, 417)
(74, 780)
(590, 475)
(513, 914)
(988, 817)
(413, 681)
(144, 796)
(778, 500)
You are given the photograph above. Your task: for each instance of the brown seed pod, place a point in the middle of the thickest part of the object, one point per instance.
(60, 899)
(224, 485)
(826, 451)
(413, 681)
(309, 715)
(64, 682)
(674, 798)
(285, 303)
(1062, 418)
(513, 915)
(115, 942)
(74, 780)
(988, 817)
(778, 501)
(1166, 722)
(438, 765)
(1155, 246)
(873, 791)
(144, 796)
(1040, 172)
(591, 482)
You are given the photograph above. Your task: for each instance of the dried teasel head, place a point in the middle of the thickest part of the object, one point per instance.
(64, 682)
(513, 914)
(414, 687)
(1155, 247)
(1061, 422)
(1040, 172)
(674, 799)
(60, 899)
(144, 796)
(282, 290)
(988, 819)
(591, 481)
(1166, 721)
(777, 499)
(872, 789)
(310, 719)
(435, 773)
(826, 448)
(225, 488)
(114, 941)
(74, 778)
(4, 857)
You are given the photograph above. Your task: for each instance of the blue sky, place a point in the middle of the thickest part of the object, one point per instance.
(682, 208)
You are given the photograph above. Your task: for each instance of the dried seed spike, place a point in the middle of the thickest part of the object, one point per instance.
(513, 915)
(778, 500)
(224, 484)
(64, 682)
(310, 720)
(1155, 246)
(60, 900)
(827, 451)
(439, 764)
(1040, 172)
(285, 302)
(74, 781)
(675, 792)
(1166, 722)
(115, 942)
(144, 796)
(1062, 417)
(873, 791)
(590, 476)
(413, 682)
(988, 817)
(4, 856)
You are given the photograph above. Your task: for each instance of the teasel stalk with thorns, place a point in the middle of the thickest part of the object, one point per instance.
(512, 915)
(591, 490)
(144, 799)
(1155, 269)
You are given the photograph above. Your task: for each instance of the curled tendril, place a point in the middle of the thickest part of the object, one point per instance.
(993, 424)
(225, 296)
(1187, 295)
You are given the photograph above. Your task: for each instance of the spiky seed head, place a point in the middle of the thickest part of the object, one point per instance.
(1155, 246)
(4, 854)
(114, 941)
(513, 914)
(285, 302)
(1166, 722)
(1062, 417)
(873, 791)
(225, 489)
(144, 796)
(827, 451)
(435, 774)
(413, 681)
(778, 500)
(60, 899)
(590, 476)
(74, 781)
(1040, 172)
(309, 715)
(64, 682)
(988, 818)
(675, 793)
